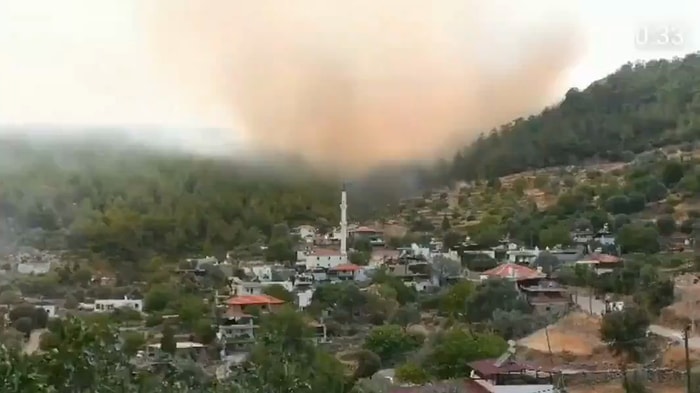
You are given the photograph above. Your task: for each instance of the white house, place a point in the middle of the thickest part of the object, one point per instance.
(248, 288)
(522, 255)
(322, 258)
(109, 305)
(49, 308)
(306, 233)
(263, 273)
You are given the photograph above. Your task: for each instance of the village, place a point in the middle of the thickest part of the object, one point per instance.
(566, 351)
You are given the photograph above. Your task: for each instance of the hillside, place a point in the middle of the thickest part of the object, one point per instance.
(128, 204)
(654, 196)
(639, 107)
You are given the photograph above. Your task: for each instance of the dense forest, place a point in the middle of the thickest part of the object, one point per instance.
(125, 202)
(639, 107)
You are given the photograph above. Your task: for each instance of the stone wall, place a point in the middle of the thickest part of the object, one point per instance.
(662, 376)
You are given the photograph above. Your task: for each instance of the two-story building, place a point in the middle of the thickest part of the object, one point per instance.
(546, 295)
(320, 257)
(345, 272)
(522, 256)
(604, 236)
(513, 272)
(238, 324)
(307, 233)
(602, 263)
(375, 236)
(245, 288)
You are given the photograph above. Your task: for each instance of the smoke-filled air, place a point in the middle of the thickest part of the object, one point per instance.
(350, 85)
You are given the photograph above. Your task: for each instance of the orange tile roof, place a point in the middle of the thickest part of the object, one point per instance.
(514, 271)
(604, 258)
(348, 267)
(251, 300)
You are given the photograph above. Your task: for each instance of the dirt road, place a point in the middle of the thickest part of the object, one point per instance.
(32, 345)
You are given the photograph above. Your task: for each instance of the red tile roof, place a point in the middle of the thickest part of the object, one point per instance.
(604, 258)
(253, 300)
(487, 367)
(513, 271)
(347, 267)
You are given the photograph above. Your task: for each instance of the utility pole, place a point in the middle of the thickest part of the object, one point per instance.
(687, 358)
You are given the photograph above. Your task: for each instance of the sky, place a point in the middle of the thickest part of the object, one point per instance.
(84, 62)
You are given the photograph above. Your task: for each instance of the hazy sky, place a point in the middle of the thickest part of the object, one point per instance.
(85, 62)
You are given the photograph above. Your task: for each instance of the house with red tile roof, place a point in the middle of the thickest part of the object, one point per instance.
(321, 258)
(247, 302)
(602, 263)
(375, 236)
(347, 271)
(238, 324)
(545, 295)
(513, 271)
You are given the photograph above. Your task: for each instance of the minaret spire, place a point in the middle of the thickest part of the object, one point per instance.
(343, 222)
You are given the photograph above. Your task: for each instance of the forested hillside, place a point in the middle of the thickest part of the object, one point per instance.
(639, 107)
(126, 204)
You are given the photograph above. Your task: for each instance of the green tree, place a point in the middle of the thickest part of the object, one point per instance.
(132, 343)
(391, 343)
(168, 344)
(666, 225)
(368, 363)
(638, 238)
(452, 239)
(445, 226)
(454, 301)
(555, 235)
(360, 258)
(279, 292)
(626, 334)
(412, 373)
(24, 325)
(455, 348)
(672, 173)
(494, 294)
(158, 298)
(191, 309)
(10, 297)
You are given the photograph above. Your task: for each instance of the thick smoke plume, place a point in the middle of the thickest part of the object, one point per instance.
(350, 85)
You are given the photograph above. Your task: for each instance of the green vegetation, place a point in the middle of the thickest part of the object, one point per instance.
(87, 358)
(639, 107)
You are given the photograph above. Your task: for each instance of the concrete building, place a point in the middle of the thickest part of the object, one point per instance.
(109, 305)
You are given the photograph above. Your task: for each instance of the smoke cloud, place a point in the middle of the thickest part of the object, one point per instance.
(350, 85)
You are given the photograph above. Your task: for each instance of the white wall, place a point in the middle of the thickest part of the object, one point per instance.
(312, 261)
(50, 310)
(109, 305)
